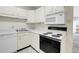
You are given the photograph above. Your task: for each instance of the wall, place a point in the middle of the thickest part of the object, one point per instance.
(38, 26)
(42, 26)
(69, 39)
(8, 24)
(76, 30)
(76, 19)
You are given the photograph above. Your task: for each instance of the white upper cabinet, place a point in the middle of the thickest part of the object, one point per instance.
(40, 14)
(15, 12)
(31, 16)
(54, 15)
(36, 16)
(53, 9)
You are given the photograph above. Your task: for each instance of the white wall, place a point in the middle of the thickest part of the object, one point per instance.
(6, 25)
(42, 26)
(68, 41)
(76, 33)
(76, 19)
(38, 26)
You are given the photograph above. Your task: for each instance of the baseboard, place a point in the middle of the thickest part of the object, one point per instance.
(34, 49)
(25, 48)
(14, 52)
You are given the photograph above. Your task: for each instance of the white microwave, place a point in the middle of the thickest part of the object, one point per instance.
(55, 18)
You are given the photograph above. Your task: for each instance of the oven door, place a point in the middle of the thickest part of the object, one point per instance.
(49, 46)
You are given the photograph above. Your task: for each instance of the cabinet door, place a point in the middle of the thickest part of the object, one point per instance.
(21, 13)
(49, 10)
(28, 39)
(7, 11)
(35, 40)
(39, 13)
(58, 9)
(10, 11)
(23, 40)
(53, 9)
(31, 17)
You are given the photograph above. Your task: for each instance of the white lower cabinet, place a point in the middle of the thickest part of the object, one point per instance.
(34, 37)
(23, 40)
(28, 38)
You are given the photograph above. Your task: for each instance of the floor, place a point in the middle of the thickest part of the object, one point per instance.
(28, 50)
(76, 43)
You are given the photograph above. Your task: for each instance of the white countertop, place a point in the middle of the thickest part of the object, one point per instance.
(34, 31)
(8, 33)
(44, 31)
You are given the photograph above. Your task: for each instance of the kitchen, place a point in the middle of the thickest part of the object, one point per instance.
(43, 29)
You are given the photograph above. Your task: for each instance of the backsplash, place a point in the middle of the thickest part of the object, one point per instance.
(31, 26)
(41, 26)
(10, 26)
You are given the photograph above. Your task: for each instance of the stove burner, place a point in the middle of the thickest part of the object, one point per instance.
(55, 35)
(59, 34)
(52, 34)
(47, 33)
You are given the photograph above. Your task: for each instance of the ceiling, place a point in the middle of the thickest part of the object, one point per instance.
(29, 7)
